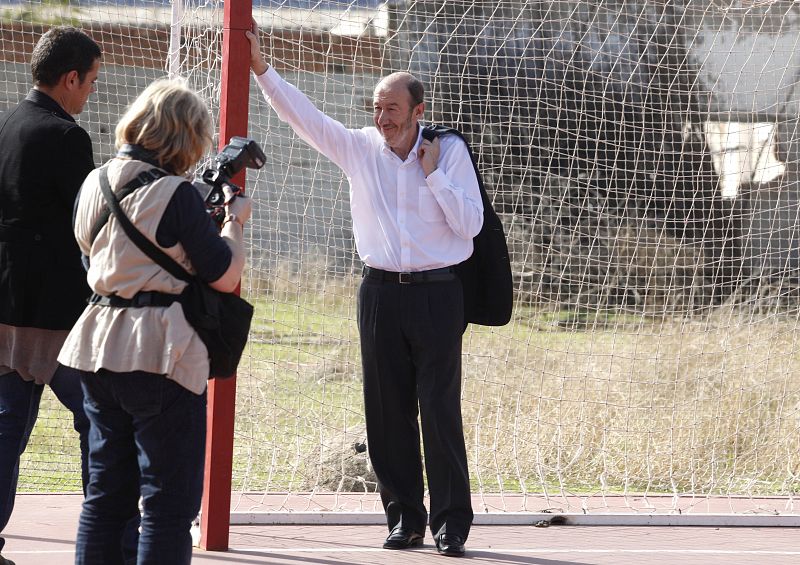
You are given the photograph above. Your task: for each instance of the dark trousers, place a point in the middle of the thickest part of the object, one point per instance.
(19, 408)
(147, 438)
(411, 357)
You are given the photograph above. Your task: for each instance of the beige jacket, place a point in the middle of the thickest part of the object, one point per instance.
(153, 339)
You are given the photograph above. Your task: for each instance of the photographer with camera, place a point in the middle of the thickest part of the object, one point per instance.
(144, 367)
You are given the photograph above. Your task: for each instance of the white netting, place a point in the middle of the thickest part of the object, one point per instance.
(643, 157)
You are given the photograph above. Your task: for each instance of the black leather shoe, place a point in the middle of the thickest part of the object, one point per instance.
(402, 538)
(450, 545)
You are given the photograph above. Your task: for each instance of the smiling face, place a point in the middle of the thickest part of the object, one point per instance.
(394, 115)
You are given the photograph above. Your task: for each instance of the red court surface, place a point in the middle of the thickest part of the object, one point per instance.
(42, 532)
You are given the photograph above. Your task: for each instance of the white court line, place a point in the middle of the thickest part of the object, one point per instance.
(311, 518)
(6, 551)
(541, 550)
(518, 550)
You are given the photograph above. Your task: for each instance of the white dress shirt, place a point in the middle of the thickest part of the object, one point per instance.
(402, 221)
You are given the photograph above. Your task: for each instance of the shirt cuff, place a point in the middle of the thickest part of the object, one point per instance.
(437, 180)
(268, 78)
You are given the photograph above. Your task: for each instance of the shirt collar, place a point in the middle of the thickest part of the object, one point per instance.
(416, 143)
(41, 99)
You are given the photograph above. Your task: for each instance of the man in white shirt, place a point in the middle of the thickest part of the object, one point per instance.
(416, 206)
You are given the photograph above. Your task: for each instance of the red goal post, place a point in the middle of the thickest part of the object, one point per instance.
(235, 89)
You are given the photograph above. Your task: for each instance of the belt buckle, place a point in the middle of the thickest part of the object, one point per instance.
(405, 278)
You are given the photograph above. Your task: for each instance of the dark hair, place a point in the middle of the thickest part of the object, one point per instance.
(61, 50)
(416, 90)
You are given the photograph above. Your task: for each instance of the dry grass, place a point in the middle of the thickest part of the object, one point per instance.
(679, 406)
(553, 401)
(629, 404)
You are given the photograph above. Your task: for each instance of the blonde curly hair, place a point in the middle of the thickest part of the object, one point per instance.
(172, 121)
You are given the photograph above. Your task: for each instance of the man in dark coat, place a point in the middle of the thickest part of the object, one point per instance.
(44, 158)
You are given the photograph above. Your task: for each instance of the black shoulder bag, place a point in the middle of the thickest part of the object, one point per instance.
(221, 319)
(486, 274)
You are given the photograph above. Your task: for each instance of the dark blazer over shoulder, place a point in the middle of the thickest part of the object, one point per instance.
(44, 158)
(486, 275)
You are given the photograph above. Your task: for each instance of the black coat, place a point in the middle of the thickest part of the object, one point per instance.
(44, 158)
(486, 275)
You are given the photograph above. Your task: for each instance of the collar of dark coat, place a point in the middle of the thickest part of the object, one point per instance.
(41, 99)
(139, 153)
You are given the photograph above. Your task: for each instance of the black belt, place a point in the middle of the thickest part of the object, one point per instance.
(140, 300)
(433, 275)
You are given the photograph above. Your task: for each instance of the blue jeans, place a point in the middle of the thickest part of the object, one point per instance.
(147, 439)
(19, 407)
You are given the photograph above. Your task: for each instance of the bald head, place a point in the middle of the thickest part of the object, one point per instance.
(406, 81)
(398, 106)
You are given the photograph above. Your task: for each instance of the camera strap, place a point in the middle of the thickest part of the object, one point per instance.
(145, 245)
(142, 179)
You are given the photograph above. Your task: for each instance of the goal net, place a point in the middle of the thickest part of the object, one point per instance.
(643, 157)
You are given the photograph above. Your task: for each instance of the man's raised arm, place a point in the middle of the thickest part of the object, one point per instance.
(322, 132)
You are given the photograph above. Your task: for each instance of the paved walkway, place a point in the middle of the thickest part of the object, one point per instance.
(43, 528)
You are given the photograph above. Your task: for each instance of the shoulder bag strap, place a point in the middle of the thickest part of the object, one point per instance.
(142, 179)
(145, 245)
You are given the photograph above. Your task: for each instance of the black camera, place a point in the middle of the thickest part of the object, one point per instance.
(241, 152)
